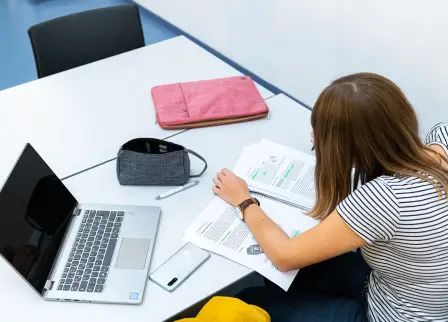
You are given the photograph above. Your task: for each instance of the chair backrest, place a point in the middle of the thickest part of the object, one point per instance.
(78, 39)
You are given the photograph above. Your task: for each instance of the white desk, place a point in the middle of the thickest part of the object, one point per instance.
(221, 146)
(79, 118)
(301, 46)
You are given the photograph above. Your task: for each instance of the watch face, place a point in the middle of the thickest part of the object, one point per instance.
(239, 213)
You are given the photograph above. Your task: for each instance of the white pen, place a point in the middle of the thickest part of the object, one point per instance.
(178, 189)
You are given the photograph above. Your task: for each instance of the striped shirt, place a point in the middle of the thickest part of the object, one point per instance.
(405, 225)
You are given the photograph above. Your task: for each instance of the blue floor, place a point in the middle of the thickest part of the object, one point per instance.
(16, 16)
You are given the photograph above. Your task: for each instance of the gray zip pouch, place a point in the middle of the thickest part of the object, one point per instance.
(152, 162)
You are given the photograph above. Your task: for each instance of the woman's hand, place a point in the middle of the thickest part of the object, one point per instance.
(230, 187)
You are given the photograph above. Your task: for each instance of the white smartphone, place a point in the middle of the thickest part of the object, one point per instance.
(179, 266)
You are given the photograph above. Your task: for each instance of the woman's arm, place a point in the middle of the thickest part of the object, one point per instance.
(328, 239)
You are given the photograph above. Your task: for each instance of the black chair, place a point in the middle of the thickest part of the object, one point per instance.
(82, 38)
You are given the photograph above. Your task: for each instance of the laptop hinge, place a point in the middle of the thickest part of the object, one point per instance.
(48, 285)
(76, 212)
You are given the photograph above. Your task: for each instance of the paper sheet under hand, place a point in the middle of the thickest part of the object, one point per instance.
(218, 230)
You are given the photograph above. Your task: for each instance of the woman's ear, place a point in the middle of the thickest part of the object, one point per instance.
(312, 137)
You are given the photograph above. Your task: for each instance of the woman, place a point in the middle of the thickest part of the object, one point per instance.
(379, 188)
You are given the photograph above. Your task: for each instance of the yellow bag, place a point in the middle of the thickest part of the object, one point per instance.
(229, 309)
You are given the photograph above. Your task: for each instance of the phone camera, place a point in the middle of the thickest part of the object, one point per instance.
(171, 283)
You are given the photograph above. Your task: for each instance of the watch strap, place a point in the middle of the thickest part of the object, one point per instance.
(247, 203)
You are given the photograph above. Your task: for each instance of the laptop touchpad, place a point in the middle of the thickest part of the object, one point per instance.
(133, 252)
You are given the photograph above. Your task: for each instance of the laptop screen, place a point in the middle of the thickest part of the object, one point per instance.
(35, 210)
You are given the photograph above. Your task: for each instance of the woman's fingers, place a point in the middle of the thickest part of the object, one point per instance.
(217, 182)
(216, 190)
(220, 175)
(226, 171)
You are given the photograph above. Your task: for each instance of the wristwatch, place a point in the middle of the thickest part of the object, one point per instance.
(242, 206)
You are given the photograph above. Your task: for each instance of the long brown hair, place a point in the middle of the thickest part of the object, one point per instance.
(363, 122)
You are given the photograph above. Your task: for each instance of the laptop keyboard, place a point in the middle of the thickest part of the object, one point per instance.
(89, 262)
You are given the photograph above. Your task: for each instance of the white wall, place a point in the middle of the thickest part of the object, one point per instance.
(300, 46)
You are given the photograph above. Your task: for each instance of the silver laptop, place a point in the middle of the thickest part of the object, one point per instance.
(69, 251)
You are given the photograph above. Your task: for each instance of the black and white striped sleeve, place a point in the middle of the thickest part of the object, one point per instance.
(372, 211)
(438, 135)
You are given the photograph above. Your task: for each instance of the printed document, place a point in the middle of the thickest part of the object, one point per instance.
(282, 179)
(279, 172)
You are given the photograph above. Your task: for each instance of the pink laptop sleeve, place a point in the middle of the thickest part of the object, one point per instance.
(207, 103)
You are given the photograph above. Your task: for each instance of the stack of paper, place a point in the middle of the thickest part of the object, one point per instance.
(283, 180)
